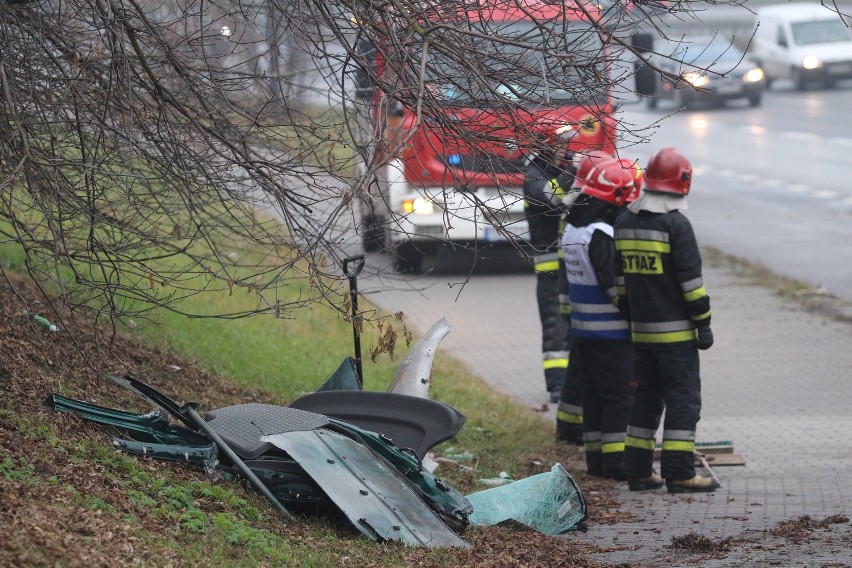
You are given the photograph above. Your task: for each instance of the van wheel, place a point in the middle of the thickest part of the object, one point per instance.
(754, 99)
(652, 102)
(798, 79)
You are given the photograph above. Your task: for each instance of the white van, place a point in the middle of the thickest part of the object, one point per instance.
(805, 41)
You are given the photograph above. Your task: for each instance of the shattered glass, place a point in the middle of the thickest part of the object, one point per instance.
(345, 378)
(550, 503)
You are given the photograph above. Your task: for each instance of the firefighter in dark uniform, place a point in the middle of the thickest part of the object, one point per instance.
(548, 175)
(602, 354)
(668, 309)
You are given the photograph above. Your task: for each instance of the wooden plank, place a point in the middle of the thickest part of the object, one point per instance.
(715, 449)
(714, 460)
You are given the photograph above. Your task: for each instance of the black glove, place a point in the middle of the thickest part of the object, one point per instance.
(565, 180)
(705, 338)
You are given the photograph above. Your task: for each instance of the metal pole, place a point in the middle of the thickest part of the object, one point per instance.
(703, 459)
(358, 261)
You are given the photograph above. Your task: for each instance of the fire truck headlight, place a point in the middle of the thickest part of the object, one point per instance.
(418, 206)
(811, 62)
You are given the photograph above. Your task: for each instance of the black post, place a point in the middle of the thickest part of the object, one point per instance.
(353, 296)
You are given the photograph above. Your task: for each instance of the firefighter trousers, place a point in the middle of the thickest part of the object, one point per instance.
(569, 413)
(605, 371)
(666, 380)
(555, 333)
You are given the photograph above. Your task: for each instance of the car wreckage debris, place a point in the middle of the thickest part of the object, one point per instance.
(357, 456)
(434, 509)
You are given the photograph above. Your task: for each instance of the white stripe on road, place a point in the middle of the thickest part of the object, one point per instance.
(756, 183)
(803, 136)
(825, 194)
(795, 135)
(799, 188)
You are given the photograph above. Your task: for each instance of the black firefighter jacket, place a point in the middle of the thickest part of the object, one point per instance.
(661, 287)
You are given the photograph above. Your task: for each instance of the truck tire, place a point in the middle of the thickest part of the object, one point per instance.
(754, 99)
(373, 234)
(645, 77)
(798, 79)
(408, 259)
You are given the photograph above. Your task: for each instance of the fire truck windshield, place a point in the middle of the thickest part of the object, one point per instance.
(526, 63)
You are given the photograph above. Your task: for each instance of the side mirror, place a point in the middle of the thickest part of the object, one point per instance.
(646, 78)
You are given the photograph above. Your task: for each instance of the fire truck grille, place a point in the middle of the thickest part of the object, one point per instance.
(427, 231)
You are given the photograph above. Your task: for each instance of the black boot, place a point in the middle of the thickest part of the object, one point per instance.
(649, 483)
(569, 433)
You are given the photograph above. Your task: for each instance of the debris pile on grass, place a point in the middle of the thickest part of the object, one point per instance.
(67, 498)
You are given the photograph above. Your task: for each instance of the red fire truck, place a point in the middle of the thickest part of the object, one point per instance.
(452, 174)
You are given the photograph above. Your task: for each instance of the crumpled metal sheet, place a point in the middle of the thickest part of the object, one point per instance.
(550, 503)
(367, 490)
(450, 505)
(414, 375)
(205, 455)
(153, 427)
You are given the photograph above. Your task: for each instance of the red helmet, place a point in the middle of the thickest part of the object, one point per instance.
(587, 161)
(638, 178)
(668, 171)
(610, 181)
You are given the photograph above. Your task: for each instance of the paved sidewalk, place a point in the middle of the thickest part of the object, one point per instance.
(777, 382)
